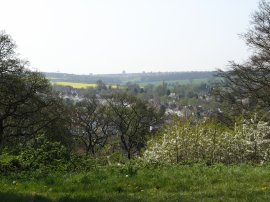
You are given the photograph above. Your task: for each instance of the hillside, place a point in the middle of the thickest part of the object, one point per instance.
(140, 78)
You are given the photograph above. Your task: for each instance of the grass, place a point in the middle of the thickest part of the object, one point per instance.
(172, 183)
(79, 85)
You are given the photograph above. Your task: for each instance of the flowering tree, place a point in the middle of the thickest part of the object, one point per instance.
(210, 143)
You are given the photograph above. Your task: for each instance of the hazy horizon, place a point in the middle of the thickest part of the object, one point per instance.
(107, 37)
(121, 73)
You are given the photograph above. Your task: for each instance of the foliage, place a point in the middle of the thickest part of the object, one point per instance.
(27, 104)
(185, 142)
(9, 163)
(40, 152)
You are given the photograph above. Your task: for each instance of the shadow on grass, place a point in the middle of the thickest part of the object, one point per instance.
(15, 197)
(12, 197)
(114, 198)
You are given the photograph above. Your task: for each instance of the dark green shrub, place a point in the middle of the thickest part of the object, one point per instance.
(42, 153)
(9, 163)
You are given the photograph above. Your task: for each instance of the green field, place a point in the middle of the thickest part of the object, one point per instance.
(181, 82)
(148, 183)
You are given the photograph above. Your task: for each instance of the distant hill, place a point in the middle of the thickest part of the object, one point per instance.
(140, 78)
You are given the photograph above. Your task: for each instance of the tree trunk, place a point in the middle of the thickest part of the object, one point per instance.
(1, 134)
(129, 155)
(127, 149)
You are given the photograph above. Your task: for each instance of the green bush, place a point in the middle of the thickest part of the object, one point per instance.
(9, 163)
(44, 156)
(40, 152)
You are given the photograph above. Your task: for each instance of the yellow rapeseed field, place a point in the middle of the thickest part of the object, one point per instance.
(76, 85)
(79, 85)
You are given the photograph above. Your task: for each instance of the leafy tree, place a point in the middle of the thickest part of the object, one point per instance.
(27, 104)
(133, 88)
(161, 90)
(101, 85)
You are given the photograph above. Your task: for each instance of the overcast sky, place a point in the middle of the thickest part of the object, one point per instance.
(109, 36)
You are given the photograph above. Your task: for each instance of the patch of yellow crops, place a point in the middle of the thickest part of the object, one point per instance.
(76, 85)
(79, 85)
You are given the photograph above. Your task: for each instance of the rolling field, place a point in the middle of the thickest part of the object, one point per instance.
(83, 81)
(93, 85)
(181, 82)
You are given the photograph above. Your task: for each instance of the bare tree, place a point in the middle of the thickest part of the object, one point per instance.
(132, 119)
(247, 85)
(91, 124)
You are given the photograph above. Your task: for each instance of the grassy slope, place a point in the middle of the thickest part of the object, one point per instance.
(176, 183)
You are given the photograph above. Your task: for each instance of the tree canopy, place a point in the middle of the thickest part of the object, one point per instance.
(27, 103)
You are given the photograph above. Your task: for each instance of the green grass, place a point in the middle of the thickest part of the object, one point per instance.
(172, 183)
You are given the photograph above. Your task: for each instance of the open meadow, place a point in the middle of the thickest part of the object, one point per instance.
(136, 183)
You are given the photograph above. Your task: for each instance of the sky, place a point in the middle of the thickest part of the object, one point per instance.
(109, 36)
